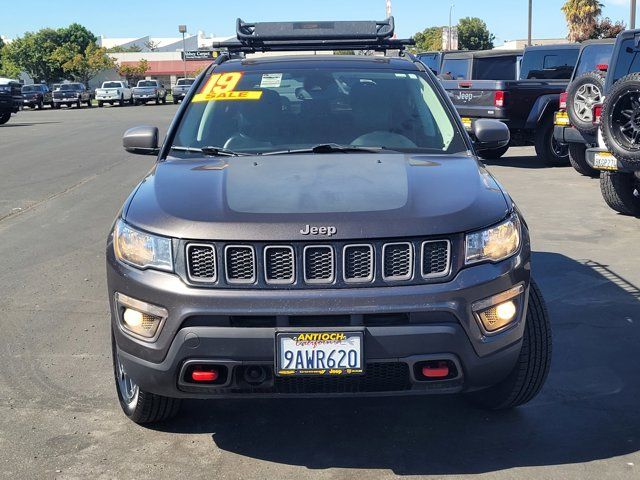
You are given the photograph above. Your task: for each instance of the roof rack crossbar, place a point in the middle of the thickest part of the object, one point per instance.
(290, 31)
(306, 36)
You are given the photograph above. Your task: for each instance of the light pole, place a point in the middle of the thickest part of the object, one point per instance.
(183, 29)
(449, 40)
(632, 20)
(529, 29)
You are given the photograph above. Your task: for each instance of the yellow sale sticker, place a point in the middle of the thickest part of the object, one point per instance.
(221, 86)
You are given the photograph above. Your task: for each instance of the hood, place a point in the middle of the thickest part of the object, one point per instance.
(273, 197)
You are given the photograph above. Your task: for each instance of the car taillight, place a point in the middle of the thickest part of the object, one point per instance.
(597, 113)
(498, 98)
(603, 67)
(563, 101)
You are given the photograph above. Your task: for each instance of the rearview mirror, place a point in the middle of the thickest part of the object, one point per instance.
(490, 133)
(142, 140)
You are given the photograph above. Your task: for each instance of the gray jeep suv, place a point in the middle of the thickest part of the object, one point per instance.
(321, 225)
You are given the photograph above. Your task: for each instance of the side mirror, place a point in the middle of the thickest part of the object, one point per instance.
(490, 134)
(141, 140)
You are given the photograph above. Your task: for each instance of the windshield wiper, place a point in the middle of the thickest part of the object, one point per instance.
(328, 148)
(211, 151)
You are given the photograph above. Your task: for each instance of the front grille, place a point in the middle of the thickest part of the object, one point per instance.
(397, 261)
(240, 264)
(435, 258)
(201, 262)
(358, 263)
(341, 264)
(319, 264)
(279, 264)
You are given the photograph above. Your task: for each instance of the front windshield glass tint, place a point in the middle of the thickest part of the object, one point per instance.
(29, 88)
(185, 81)
(146, 83)
(111, 85)
(257, 112)
(593, 55)
(70, 86)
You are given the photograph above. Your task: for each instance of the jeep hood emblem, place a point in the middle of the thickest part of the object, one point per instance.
(328, 230)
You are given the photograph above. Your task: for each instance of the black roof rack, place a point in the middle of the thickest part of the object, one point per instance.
(306, 36)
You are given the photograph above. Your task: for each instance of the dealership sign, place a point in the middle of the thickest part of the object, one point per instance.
(199, 55)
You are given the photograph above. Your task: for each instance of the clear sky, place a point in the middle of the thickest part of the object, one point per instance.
(507, 19)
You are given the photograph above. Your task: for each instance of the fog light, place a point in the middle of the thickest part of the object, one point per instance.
(497, 312)
(138, 318)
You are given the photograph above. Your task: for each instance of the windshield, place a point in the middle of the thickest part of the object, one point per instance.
(147, 83)
(431, 60)
(185, 81)
(593, 55)
(70, 86)
(259, 112)
(29, 88)
(111, 85)
(552, 64)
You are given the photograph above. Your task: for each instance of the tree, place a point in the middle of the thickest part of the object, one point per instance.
(120, 49)
(32, 54)
(151, 45)
(581, 18)
(473, 34)
(428, 40)
(133, 73)
(605, 28)
(85, 64)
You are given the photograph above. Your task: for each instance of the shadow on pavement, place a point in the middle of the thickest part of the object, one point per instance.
(588, 409)
(519, 162)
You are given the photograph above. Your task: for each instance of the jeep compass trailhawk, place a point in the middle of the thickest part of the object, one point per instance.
(321, 225)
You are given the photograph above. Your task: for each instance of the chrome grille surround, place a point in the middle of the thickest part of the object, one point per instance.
(319, 264)
(240, 264)
(399, 267)
(435, 258)
(279, 264)
(206, 269)
(358, 263)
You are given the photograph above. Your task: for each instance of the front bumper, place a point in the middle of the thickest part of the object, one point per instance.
(108, 98)
(66, 100)
(446, 327)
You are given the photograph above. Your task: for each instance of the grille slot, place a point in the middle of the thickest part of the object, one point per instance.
(240, 264)
(397, 261)
(357, 263)
(319, 264)
(435, 258)
(201, 262)
(279, 264)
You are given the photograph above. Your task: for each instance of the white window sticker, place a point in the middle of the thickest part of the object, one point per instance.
(401, 75)
(272, 80)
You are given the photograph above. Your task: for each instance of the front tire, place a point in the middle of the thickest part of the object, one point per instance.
(531, 370)
(121, 101)
(4, 117)
(40, 105)
(175, 101)
(494, 153)
(548, 149)
(100, 104)
(78, 104)
(578, 160)
(157, 100)
(620, 191)
(140, 406)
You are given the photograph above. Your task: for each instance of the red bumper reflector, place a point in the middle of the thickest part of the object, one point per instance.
(439, 370)
(204, 375)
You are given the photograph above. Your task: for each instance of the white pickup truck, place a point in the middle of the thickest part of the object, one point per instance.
(114, 91)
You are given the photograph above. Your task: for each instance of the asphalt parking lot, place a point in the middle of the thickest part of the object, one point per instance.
(63, 177)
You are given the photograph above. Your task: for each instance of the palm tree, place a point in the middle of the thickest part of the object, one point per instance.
(581, 18)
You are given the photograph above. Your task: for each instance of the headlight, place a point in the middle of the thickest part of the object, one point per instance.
(495, 243)
(5, 88)
(141, 249)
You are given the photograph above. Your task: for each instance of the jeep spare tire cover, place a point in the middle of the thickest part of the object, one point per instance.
(582, 94)
(621, 120)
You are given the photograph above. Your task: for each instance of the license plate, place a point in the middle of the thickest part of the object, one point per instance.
(605, 161)
(319, 353)
(561, 119)
(466, 122)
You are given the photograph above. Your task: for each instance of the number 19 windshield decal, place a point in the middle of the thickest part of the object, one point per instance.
(221, 86)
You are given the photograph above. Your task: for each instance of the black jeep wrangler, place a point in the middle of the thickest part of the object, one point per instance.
(321, 225)
(617, 155)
